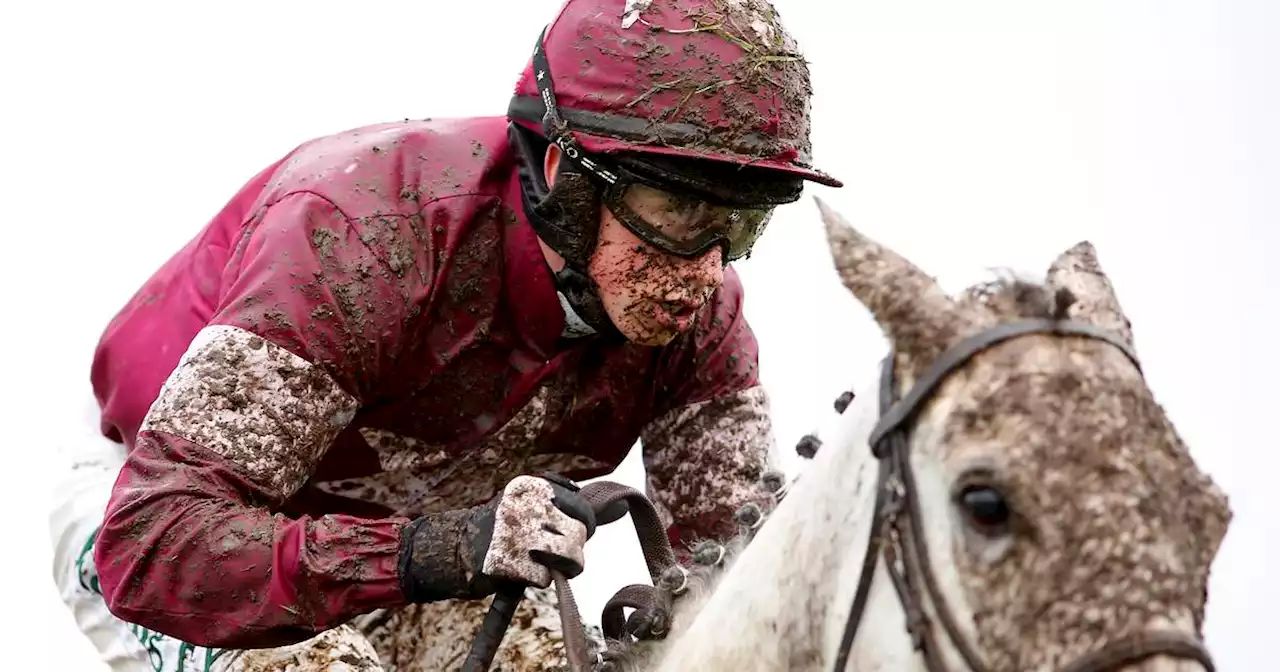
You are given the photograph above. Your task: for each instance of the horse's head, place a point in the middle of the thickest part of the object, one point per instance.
(1062, 514)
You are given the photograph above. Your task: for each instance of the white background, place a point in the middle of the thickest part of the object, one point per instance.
(996, 134)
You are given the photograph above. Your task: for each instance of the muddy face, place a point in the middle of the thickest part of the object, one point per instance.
(650, 295)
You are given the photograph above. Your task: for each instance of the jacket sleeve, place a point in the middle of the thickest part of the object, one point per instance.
(310, 314)
(705, 453)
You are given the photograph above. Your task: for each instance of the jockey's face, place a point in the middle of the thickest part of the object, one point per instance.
(650, 295)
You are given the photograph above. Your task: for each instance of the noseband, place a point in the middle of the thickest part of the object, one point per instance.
(898, 535)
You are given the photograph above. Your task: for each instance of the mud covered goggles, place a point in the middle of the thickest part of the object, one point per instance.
(686, 225)
(685, 216)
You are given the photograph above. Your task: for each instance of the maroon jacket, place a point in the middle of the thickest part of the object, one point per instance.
(371, 333)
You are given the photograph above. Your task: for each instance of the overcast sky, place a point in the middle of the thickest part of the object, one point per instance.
(993, 135)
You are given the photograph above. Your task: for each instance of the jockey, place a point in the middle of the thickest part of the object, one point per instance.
(368, 380)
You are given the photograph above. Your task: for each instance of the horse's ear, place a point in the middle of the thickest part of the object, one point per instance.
(1077, 275)
(908, 304)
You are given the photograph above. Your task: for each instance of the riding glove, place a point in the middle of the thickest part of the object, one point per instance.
(534, 525)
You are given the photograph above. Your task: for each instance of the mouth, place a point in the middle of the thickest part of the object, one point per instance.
(677, 315)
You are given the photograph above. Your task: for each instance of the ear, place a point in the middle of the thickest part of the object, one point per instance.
(551, 163)
(1093, 299)
(908, 304)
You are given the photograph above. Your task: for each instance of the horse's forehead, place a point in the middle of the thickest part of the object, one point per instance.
(1086, 454)
(1058, 367)
(1075, 411)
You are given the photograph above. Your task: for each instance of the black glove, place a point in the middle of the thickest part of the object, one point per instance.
(534, 524)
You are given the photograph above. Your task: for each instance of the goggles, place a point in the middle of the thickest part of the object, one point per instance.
(682, 224)
(686, 223)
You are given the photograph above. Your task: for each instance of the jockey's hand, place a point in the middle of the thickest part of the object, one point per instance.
(534, 525)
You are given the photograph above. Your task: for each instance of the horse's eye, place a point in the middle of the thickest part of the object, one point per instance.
(986, 509)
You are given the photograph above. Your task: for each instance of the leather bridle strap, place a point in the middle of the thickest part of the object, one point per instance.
(896, 498)
(1131, 650)
(960, 353)
(876, 540)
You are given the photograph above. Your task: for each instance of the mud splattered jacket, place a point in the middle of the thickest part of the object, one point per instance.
(367, 332)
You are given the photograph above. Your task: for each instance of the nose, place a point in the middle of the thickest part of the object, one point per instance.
(705, 272)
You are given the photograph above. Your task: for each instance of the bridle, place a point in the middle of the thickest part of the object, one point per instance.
(897, 532)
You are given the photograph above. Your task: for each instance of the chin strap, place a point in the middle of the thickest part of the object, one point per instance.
(574, 325)
(568, 231)
(579, 292)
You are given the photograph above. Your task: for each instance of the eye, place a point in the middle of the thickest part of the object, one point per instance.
(985, 509)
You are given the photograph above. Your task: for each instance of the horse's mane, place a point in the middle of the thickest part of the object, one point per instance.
(1011, 296)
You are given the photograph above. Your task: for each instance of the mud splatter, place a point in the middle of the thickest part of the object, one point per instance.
(734, 72)
(704, 461)
(520, 525)
(263, 408)
(341, 649)
(408, 484)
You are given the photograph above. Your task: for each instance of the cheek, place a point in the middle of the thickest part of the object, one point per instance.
(616, 258)
(622, 265)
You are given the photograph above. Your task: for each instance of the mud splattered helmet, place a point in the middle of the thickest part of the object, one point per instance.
(701, 104)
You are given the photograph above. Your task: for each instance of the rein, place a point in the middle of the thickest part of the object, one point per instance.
(652, 604)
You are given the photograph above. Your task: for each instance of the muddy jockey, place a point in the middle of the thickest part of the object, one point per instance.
(348, 392)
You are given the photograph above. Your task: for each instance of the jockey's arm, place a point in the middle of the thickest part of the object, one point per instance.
(190, 545)
(705, 454)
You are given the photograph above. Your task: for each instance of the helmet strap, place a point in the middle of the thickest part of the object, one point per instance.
(568, 228)
(580, 291)
(562, 225)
